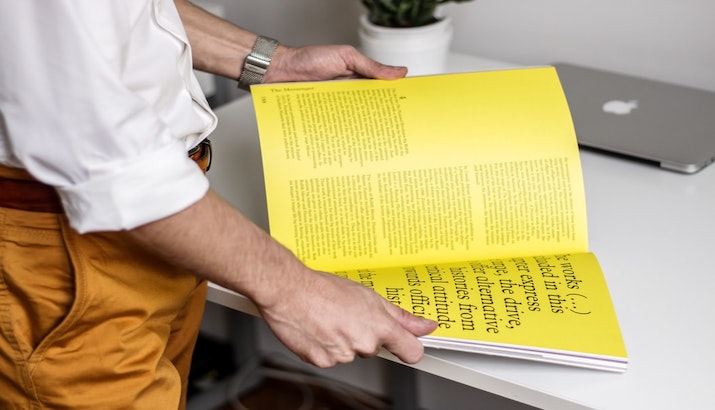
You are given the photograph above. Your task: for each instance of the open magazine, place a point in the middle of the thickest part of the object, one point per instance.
(458, 197)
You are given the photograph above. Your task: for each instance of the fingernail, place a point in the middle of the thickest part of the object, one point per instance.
(426, 320)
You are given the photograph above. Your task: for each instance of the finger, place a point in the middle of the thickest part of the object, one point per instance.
(404, 345)
(384, 72)
(388, 72)
(402, 339)
(417, 325)
(365, 355)
(369, 68)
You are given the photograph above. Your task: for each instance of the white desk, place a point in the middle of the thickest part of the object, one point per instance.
(652, 231)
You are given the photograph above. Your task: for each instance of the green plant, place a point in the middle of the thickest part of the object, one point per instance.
(403, 13)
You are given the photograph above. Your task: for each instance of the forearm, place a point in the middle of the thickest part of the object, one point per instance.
(218, 46)
(216, 242)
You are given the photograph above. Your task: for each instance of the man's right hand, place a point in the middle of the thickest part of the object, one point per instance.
(326, 319)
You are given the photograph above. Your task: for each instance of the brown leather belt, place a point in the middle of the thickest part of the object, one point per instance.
(27, 194)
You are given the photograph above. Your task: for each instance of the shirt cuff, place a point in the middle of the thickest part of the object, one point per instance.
(154, 186)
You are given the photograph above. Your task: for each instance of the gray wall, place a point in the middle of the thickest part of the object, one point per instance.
(670, 40)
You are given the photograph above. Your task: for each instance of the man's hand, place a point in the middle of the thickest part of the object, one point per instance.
(326, 62)
(326, 320)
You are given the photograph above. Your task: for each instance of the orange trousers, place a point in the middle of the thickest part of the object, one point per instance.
(91, 321)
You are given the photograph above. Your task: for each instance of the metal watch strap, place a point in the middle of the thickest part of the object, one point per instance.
(257, 62)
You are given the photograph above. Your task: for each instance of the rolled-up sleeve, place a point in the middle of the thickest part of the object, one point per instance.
(99, 100)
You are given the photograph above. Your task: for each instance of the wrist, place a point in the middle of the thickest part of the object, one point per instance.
(257, 62)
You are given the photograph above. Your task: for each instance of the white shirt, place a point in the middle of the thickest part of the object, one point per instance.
(98, 99)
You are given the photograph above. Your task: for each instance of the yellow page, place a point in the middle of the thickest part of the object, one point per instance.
(366, 173)
(551, 302)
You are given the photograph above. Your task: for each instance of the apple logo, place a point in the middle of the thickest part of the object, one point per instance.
(619, 107)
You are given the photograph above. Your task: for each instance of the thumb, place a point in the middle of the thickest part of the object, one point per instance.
(369, 68)
(388, 72)
(417, 325)
(403, 342)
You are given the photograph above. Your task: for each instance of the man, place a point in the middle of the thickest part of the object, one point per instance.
(109, 229)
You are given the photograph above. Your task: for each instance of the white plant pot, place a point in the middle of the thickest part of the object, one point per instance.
(423, 50)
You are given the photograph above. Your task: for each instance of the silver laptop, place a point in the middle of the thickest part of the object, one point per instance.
(666, 124)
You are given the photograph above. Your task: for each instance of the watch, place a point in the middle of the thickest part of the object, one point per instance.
(257, 62)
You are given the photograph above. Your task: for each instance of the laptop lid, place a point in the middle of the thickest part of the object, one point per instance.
(668, 124)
